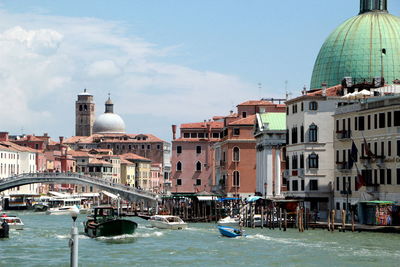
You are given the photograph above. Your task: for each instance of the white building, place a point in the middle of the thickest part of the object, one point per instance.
(270, 134)
(309, 151)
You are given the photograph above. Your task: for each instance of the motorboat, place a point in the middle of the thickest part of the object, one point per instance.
(41, 206)
(229, 221)
(63, 206)
(14, 222)
(167, 222)
(229, 231)
(104, 222)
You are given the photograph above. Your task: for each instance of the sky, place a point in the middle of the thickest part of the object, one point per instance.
(164, 62)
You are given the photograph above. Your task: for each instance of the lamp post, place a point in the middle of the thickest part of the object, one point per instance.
(73, 241)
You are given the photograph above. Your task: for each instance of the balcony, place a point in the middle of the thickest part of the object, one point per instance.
(343, 135)
(343, 166)
(345, 192)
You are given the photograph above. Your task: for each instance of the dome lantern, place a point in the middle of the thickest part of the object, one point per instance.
(109, 105)
(373, 5)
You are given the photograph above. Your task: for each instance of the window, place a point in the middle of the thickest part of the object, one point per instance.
(382, 148)
(313, 133)
(287, 110)
(382, 120)
(200, 135)
(314, 185)
(295, 185)
(179, 166)
(389, 176)
(355, 124)
(396, 118)
(302, 134)
(382, 176)
(80, 107)
(338, 205)
(198, 166)
(375, 121)
(355, 182)
(302, 106)
(236, 131)
(398, 148)
(294, 108)
(294, 162)
(198, 181)
(313, 161)
(361, 126)
(398, 176)
(337, 183)
(288, 185)
(178, 181)
(369, 122)
(313, 105)
(389, 148)
(186, 135)
(389, 119)
(244, 114)
(179, 149)
(236, 179)
(236, 154)
(215, 135)
(198, 149)
(302, 185)
(193, 135)
(294, 135)
(301, 161)
(337, 126)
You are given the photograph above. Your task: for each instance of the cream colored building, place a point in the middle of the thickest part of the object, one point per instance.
(128, 171)
(377, 121)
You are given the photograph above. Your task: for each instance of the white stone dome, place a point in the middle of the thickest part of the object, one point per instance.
(108, 123)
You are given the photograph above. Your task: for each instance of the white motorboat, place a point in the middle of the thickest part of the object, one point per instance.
(167, 222)
(13, 222)
(229, 221)
(63, 206)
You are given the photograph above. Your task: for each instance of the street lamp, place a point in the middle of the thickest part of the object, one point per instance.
(73, 241)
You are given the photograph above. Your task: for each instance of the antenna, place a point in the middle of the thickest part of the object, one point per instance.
(259, 89)
(286, 90)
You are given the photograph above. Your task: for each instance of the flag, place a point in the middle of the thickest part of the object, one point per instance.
(353, 155)
(360, 181)
(368, 151)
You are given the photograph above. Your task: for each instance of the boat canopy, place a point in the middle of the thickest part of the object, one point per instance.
(253, 198)
(207, 198)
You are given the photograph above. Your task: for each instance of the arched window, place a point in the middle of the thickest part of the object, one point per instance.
(198, 166)
(85, 107)
(179, 166)
(236, 179)
(313, 133)
(313, 161)
(236, 154)
(80, 107)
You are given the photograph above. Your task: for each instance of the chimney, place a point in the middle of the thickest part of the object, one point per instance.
(61, 139)
(173, 132)
(45, 134)
(324, 85)
(29, 137)
(231, 112)
(3, 136)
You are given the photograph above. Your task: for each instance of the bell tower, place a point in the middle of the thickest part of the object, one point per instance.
(373, 5)
(84, 114)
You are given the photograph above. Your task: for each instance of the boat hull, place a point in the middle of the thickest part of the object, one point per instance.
(110, 228)
(172, 226)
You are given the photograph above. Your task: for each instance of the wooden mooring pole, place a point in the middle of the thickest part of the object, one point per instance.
(285, 222)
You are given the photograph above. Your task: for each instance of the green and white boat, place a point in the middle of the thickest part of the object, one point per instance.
(104, 222)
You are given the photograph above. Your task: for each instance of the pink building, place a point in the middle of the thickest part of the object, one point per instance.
(192, 156)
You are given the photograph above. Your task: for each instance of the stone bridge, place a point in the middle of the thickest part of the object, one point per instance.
(125, 192)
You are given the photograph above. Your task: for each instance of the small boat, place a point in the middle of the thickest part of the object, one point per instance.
(41, 206)
(167, 222)
(229, 231)
(144, 216)
(104, 222)
(229, 221)
(13, 222)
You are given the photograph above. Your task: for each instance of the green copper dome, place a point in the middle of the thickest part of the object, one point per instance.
(363, 47)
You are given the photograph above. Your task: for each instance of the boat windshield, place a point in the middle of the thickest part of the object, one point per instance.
(173, 219)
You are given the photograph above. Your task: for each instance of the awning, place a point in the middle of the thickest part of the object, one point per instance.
(109, 194)
(207, 198)
(89, 194)
(229, 198)
(57, 194)
(253, 198)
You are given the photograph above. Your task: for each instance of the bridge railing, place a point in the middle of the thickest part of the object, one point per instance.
(79, 176)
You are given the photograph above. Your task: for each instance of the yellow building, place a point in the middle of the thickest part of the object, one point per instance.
(128, 171)
(142, 170)
(373, 126)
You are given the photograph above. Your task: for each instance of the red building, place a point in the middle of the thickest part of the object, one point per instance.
(192, 156)
(235, 154)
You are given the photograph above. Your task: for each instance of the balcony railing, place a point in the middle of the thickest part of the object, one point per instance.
(344, 134)
(343, 166)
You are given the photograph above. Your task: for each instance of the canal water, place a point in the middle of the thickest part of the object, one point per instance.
(44, 242)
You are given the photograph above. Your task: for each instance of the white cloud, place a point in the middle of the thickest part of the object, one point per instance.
(46, 60)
